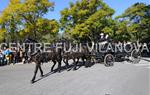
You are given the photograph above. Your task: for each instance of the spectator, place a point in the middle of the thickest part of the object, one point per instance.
(8, 55)
(20, 55)
(13, 50)
(1, 58)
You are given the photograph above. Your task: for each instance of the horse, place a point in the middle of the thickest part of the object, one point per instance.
(39, 57)
(81, 53)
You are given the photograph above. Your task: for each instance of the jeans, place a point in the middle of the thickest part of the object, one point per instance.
(15, 59)
(1, 61)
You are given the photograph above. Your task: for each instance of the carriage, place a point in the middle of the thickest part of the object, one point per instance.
(114, 54)
(102, 54)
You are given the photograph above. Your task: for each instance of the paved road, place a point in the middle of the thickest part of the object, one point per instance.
(121, 79)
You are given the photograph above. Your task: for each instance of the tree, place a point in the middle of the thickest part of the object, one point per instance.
(25, 18)
(9, 20)
(31, 12)
(47, 29)
(2, 34)
(86, 19)
(121, 31)
(138, 24)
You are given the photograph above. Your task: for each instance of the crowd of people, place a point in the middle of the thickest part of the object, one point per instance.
(10, 55)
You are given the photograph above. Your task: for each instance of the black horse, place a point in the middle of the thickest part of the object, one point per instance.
(82, 53)
(39, 57)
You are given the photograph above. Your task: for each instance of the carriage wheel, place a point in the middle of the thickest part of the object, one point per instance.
(135, 56)
(109, 60)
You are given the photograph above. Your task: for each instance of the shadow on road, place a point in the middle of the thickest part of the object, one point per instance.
(68, 68)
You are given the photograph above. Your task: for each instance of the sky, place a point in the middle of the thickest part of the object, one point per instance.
(118, 5)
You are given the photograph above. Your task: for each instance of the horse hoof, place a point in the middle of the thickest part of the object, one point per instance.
(59, 71)
(32, 81)
(68, 69)
(74, 69)
(52, 70)
(86, 66)
(41, 75)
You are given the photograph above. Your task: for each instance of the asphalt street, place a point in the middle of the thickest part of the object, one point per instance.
(122, 79)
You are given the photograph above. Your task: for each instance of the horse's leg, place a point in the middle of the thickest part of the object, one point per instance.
(35, 72)
(78, 60)
(66, 63)
(86, 60)
(75, 63)
(83, 60)
(41, 70)
(52, 68)
(59, 66)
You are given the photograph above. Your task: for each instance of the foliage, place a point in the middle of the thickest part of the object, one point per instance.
(23, 18)
(137, 18)
(2, 33)
(85, 19)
